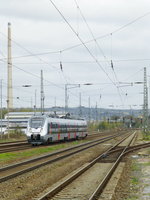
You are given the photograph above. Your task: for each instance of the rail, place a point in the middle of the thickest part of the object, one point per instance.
(6, 171)
(123, 151)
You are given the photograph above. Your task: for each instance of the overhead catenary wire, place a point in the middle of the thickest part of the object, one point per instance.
(34, 75)
(79, 38)
(84, 44)
(112, 64)
(37, 56)
(94, 61)
(100, 49)
(111, 34)
(19, 88)
(134, 74)
(58, 86)
(86, 61)
(32, 55)
(90, 30)
(30, 73)
(14, 65)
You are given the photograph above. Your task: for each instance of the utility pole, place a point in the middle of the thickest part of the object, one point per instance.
(80, 109)
(96, 113)
(31, 104)
(8, 117)
(9, 72)
(66, 93)
(89, 110)
(66, 99)
(42, 94)
(35, 102)
(9, 77)
(55, 102)
(145, 104)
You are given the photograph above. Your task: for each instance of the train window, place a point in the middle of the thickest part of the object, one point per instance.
(48, 128)
(53, 125)
(37, 122)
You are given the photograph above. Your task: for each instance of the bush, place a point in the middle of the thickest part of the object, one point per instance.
(146, 136)
(14, 134)
(104, 125)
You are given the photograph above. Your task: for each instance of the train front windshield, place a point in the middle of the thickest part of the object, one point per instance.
(37, 122)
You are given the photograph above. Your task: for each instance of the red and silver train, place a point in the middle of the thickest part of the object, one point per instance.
(44, 129)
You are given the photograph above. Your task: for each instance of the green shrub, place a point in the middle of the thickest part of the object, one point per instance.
(146, 136)
(104, 125)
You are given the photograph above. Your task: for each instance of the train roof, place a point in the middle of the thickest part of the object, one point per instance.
(24, 115)
(60, 119)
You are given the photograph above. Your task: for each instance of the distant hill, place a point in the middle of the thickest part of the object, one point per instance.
(99, 113)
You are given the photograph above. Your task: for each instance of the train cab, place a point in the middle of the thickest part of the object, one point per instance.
(35, 129)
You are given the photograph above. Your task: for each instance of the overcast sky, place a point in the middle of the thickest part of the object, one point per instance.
(119, 31)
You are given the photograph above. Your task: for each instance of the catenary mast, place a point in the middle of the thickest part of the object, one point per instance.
(42, 94)
(9, 72)
(145, 105)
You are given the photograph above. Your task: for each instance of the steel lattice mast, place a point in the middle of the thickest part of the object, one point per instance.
(9, 81)
(80, 109)
(42, 94)
(145, 105)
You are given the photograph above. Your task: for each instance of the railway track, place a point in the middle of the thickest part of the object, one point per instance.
(73, 187)
(23, 145)
(14, 142)
(12, 171)
(14, 146)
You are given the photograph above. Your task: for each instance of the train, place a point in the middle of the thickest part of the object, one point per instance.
(46, 129)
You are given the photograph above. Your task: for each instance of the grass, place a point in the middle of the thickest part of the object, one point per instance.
(13, 136)
(132, 198)
(135, 167)
(12, 139)
(146, 137)
(11, 156)
(134, 181)
(146, 164)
